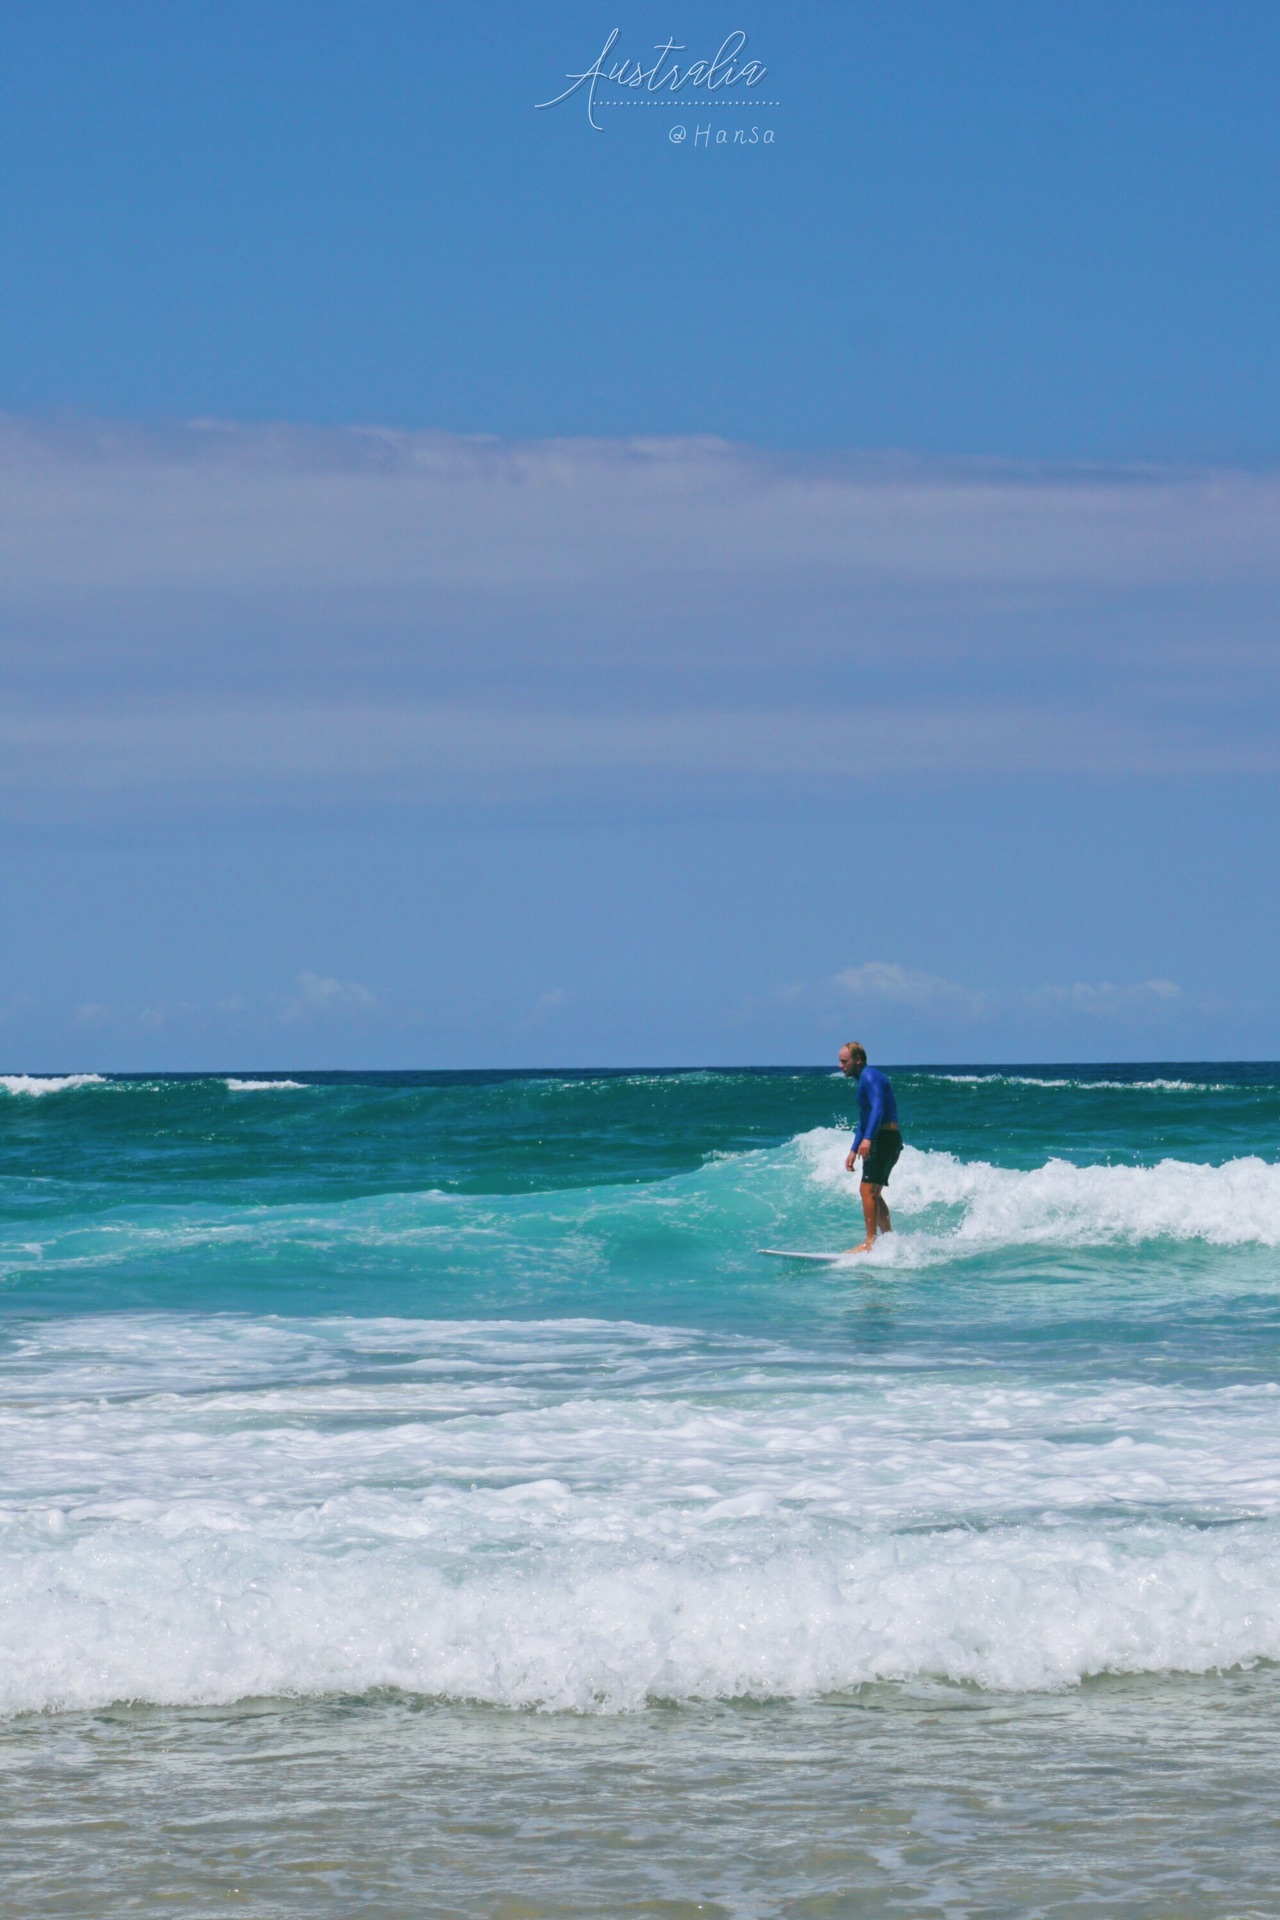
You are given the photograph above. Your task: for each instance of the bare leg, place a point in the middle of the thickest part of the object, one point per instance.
(882, 1213)
(872, 1209)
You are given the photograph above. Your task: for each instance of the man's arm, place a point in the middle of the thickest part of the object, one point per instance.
(869, 1119)
(868, 1123)
(876, 1115)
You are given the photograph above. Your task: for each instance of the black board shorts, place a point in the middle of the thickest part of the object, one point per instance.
(883, 1157)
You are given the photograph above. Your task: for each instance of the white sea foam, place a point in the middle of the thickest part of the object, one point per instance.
(1236, 1204)
(263, 1086)
(1085, 1085)
(48, 1083)
(586, 1516)
(218, 1617)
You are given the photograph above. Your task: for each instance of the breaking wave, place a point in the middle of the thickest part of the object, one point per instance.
(263, 1086)
(951, 1203)
(461, 1510)
(35, 1083)
(1082, 1083)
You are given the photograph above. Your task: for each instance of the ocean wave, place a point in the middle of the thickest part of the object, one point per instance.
(1059, 1203)
(701, 1225)
(263, 1086)
(267, 1516)
(1083, 1084)
(49, 1083)
(211, 1620)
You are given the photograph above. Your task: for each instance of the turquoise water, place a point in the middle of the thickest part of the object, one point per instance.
(448, 1431)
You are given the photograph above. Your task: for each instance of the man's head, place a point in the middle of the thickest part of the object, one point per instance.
(853, 1058)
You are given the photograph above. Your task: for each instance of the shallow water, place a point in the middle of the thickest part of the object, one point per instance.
(1133, 1797)
(420, 1481)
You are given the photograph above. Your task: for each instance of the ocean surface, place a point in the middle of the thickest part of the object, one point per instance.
(417, 1495)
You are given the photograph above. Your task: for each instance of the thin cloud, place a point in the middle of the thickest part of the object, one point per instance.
(322, 995)
(1104, 998)
(213, 504)
(421, 750)
(889, 982)
(228, 612)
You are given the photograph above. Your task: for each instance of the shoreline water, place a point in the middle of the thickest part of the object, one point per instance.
(1145, 1796)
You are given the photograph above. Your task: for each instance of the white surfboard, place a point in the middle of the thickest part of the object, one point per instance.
(787, 1253)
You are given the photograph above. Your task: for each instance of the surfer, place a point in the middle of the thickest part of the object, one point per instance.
(877, 1142)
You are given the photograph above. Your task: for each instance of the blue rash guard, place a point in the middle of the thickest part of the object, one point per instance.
(876, 1104)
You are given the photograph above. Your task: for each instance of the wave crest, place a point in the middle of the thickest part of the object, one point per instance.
(1061, 1204)
(263, 1086)
(38, 1083)
(210, 1621)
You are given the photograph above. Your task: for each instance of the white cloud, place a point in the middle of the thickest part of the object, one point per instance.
(320, 994)
(889, 981)
(222, 610)
(104, 507)
(415, 750)
(1104, 997)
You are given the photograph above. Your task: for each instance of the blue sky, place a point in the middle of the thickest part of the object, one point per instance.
(476, 589)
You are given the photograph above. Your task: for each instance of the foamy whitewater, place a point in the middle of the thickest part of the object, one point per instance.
(34, 1084)
(475, 1390)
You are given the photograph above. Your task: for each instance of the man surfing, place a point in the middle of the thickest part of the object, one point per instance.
(877, 1142)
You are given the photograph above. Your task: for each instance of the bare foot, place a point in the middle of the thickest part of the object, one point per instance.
(864, 1248)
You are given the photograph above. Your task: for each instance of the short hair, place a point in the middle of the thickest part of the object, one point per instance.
(855, 1050)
